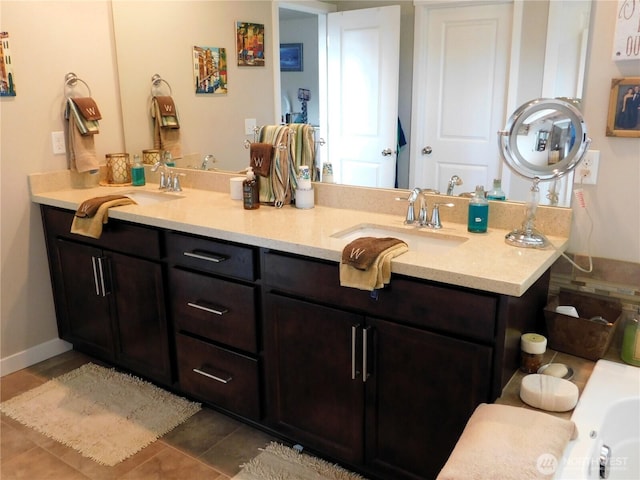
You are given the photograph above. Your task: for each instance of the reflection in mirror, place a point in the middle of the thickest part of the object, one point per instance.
(543, 141)
(216, 125)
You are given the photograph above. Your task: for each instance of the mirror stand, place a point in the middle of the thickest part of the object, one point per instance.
(544, 139)
(528, 236)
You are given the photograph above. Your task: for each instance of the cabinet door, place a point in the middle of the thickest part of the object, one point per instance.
(421, 391)
(311, 395)
(142, 341)
(81, 284)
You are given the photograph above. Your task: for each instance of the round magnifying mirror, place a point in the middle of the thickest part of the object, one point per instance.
(543, 140)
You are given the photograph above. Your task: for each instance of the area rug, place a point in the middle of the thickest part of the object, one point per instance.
(278, 462)
(103, 414)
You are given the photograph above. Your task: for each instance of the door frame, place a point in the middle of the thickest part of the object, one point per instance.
(321, 10)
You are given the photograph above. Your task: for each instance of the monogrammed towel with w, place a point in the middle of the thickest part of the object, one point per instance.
(366, 262)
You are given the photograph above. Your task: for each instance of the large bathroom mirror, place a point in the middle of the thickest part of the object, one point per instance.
(219, 124)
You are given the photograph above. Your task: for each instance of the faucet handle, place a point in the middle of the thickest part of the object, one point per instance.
(176, 181)
(435, 215)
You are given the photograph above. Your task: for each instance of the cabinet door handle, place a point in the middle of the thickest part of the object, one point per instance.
(98, 276)
(365, 341)
(354, 346)
(223, 378)
(216, 310)
(209, 257)
(96, 282)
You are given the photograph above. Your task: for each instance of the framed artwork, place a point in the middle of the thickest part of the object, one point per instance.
(210, 70)
(624, 108)
(250, 44)
(7, 82)
(291, 57)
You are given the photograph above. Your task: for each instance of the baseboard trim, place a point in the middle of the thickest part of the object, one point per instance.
(33, 355)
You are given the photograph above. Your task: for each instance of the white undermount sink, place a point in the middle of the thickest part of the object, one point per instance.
(147, 197)
(418, 240)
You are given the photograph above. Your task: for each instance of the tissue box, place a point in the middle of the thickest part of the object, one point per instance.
(580, 336)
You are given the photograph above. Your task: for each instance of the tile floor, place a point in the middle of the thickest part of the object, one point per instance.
(208, 445)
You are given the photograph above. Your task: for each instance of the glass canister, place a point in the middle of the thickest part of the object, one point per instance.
(150, 157)
(532, 348)
(118, 168)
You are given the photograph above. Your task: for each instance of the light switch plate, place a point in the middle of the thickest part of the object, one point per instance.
(57, 142)
(249, 125)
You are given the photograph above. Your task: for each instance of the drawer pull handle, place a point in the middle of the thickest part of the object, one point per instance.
(225, 380)
(209, 257)
(216, 310)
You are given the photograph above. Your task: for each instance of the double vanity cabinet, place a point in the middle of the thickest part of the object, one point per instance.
(382, 382)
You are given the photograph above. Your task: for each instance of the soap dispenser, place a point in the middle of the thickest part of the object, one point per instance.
(478, 212)
(251, 191)
(496, 193)
(630, 352)
(137, 172)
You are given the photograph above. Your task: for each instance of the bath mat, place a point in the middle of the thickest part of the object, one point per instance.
(277, 462)
(103, 414)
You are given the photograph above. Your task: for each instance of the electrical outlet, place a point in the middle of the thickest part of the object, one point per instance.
(57, 141)
(587, 171)
(249, 125)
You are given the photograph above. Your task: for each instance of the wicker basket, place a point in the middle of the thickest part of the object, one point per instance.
(581, 336)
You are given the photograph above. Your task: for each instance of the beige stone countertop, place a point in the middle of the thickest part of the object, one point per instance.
(481, 261)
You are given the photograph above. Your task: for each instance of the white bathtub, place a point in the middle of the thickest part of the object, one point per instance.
(607, 414)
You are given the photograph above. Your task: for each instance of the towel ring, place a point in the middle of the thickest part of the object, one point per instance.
(156, 80)
(70, 81)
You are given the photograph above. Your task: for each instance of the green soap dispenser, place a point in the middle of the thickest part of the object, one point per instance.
(630, 352)
(478, 212)
(137, 172)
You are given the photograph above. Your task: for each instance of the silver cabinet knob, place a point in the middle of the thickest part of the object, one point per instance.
(387, 152)
(427, 150)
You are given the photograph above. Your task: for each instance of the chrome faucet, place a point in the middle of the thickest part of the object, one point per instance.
(430, 221)
(454, 181)
(205, 162)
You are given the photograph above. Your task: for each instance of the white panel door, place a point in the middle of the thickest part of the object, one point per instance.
(460, 80)
(363, 66)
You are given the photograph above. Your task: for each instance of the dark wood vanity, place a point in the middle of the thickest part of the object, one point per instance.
(383, 383)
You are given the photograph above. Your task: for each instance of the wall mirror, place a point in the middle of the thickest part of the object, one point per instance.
(216, 125)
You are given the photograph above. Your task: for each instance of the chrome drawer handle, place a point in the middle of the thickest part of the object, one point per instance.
(209, 257)
(218, 311)
(213, 377)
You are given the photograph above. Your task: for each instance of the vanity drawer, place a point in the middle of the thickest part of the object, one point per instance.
(212, 256)
(216, 309)
(116, 235)
(218, 376)
(411, 301)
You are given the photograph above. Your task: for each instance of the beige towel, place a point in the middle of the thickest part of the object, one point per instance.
(377, 275)
(509, 443)
(166, 129)
(82, 148)
(92, 226)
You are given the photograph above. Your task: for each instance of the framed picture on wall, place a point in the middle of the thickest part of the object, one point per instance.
(210, 70)
(250, 44)
(291, 57)
(624, 108)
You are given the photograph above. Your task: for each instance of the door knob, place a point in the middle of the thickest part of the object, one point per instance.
(427, 150)
(387, 152)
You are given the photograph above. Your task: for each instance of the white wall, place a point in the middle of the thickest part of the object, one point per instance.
(44, 50)
(305, 31)
(614, 203)
(158, 37)
(48, 39)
